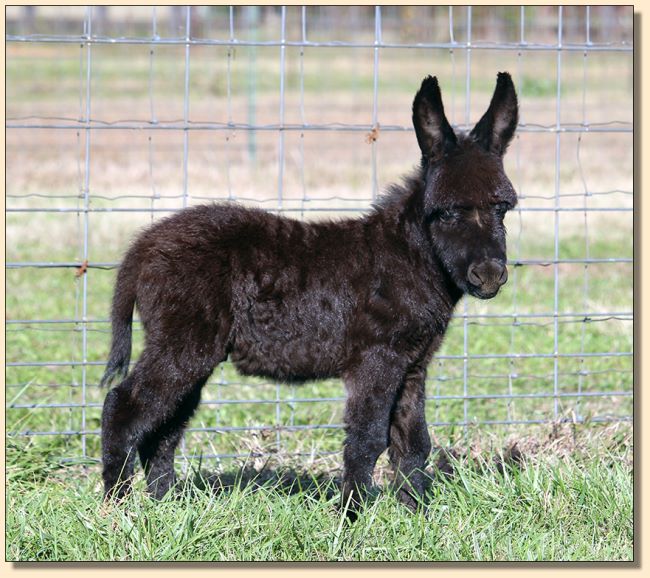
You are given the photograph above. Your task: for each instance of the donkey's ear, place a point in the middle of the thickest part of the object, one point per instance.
(434, 133)
(497, 127)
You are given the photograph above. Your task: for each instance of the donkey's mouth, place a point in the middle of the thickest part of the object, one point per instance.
(483, 294)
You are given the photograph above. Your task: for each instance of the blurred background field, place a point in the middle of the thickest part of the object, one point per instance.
(103, 137)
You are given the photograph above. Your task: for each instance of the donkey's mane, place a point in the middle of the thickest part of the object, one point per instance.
(397, 195)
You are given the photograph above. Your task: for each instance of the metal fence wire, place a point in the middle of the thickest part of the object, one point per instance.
(117, 116)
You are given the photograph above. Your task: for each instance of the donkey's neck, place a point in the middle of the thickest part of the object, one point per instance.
(401, 210)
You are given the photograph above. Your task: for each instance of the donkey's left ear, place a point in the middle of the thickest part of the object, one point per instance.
(497, 127)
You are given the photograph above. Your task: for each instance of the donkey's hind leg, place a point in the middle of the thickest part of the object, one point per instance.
(158, 391)
(117, 457)
(157, 449)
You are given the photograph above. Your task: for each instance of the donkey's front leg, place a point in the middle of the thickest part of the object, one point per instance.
(410, 443)
(372, 388)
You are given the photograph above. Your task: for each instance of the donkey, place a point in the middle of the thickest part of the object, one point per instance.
(367, 300)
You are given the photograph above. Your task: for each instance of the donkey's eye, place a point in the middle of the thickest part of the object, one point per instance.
(447, 216)
(502, 208)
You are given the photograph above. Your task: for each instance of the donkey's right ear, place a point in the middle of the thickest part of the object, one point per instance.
(434, 133)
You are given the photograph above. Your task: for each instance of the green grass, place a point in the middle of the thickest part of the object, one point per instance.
(573, 508)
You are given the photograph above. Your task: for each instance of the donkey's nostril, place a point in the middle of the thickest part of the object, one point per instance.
(504, 276)
(474, 276)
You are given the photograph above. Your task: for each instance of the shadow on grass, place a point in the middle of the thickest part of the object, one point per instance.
(284, 481)
(288, 481)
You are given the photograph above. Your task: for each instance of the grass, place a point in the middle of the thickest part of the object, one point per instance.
(553, 507)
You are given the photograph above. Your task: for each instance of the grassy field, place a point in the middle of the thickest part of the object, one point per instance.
(568, 496)
(565, 502)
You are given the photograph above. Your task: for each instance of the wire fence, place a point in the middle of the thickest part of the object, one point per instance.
(114, 120)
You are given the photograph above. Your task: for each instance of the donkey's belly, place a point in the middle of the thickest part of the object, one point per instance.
(293, 360)
(285, 345)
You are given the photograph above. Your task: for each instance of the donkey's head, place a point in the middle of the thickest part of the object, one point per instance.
(467, 192)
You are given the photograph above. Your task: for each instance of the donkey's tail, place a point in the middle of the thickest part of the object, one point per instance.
(122, 320)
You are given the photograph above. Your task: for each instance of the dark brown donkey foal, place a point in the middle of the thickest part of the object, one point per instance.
(367, 300)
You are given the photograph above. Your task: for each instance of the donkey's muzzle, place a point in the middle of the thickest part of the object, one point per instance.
(486, 277)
